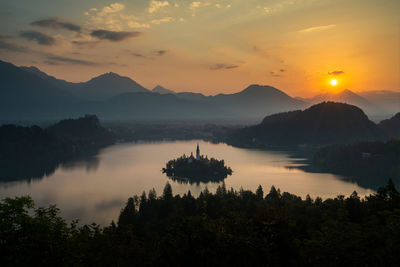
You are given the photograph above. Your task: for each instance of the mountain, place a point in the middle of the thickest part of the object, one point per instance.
(39, 96)
(150, 106)
(349, 97)
(107, 85)
(51, 79)
(161, 90)
(24, 95)
(388, 100)
(97, 89)
(324, 123)
(391, 126)
(256, 101)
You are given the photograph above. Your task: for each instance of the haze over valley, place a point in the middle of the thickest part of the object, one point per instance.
(209, 132)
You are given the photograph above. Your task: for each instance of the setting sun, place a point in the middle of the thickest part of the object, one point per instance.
(334, 82)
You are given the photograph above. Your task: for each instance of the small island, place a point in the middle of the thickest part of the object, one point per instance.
(196, 169)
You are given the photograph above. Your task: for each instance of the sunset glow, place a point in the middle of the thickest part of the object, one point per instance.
(334, 82)
(210, 47)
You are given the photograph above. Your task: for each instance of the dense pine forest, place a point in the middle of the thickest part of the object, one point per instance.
(227, 228)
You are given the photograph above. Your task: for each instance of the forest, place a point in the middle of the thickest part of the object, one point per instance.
(31, 152)
(226, 228)
(366, 162)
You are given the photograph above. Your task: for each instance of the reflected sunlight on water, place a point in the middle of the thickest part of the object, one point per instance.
(95, 191)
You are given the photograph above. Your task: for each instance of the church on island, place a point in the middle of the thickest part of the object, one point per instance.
(197, 168)
(198, 156)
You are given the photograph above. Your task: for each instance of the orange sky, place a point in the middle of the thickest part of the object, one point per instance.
(210, 46)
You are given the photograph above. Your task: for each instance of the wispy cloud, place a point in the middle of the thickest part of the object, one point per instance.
(57, 23)
(6, 45)
(114, 36)
(54, 59)
(40, 38)
(161, 52)
(156, 5)
(86, 43)
(138, 55)
(274, 74)
(336, 72)
(222, 66)
(159, 21)
(318, 28)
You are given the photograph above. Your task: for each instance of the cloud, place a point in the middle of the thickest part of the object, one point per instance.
(5, 45)
(135, 24)
(85, 43)
(159, 21)
(56, 23)
(282, 70)
(222, 66)
(138, 55)
(114, 36)
(318, 28)
(336, 72)
(156, 5)
(161, 52)
(273, 74)
(54, 60)
(112, 8)
(40, 38)
(195, 5)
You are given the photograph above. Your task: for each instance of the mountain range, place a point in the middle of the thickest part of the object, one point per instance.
(27, 93)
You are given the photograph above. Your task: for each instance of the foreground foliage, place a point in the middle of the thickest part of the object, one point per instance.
(225, 228)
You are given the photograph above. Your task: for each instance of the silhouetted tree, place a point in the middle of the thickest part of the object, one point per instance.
(167, 192)
(260, 192)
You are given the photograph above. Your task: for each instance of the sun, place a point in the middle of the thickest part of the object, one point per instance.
(334, 82)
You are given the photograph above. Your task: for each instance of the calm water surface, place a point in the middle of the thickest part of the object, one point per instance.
(96, 191)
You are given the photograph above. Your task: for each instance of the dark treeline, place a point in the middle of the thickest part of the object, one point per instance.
(228, 228)
(29, 152)
(366, 162)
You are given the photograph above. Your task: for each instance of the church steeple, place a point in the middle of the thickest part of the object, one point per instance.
(197, 152)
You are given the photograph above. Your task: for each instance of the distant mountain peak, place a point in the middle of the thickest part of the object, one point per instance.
(162, 90)
(110, 75)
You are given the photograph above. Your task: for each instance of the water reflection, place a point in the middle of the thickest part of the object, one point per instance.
(196, 180)
(31, 171)
(95, 189)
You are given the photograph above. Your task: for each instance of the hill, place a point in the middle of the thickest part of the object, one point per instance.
(324, 123)
(391, 126)
(368, 163)
(32, 152)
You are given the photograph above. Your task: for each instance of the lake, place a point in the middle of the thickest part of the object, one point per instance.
(95, 190)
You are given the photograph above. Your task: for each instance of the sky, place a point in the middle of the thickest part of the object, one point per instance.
(213, 46)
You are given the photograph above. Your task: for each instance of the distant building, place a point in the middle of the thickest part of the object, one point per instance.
(198, 152)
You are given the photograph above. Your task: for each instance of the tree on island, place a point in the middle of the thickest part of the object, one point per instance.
(197, 169)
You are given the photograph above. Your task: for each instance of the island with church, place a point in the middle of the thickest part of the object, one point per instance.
(196, 169)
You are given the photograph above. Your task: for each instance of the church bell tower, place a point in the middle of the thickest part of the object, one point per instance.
(198, 152)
